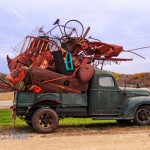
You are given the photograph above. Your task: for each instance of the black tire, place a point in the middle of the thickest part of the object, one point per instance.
(45, 120)
(124, 122)
(142, 116)
(75, 27)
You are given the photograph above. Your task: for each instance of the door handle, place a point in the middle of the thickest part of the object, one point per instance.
(99, 92)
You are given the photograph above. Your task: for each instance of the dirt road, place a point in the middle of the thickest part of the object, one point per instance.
(5, 104)
(70, 138)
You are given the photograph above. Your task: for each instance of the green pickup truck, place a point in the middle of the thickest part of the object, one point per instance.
(104, 100)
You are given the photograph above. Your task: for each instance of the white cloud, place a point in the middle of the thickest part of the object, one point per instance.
(16, 13)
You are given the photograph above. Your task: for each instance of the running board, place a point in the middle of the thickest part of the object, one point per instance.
(107, 118)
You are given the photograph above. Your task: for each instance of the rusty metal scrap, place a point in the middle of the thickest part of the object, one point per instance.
(52, 81)
(46, 65)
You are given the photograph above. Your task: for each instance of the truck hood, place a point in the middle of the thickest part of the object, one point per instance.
(135, 91)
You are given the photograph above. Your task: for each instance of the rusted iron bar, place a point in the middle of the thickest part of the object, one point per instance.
(108, 59)
(86, 32)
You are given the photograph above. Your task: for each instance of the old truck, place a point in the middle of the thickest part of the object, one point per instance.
(104, 100)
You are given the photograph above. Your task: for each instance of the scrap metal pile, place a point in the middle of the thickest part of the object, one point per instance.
(50, 63)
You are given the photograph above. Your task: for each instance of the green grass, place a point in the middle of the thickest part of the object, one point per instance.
(80, 121)
(5, 120)
(77, 124)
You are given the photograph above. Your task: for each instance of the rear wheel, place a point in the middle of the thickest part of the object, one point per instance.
(45, 120)
(142, 116)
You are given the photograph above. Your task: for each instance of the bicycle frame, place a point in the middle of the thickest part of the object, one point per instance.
(50, 31)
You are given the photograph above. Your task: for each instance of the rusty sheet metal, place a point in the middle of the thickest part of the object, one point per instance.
(52, 81)
(41, 62)
(36, 46)
(17, 75)
(18, 61)
(85, 73)
(104, 49)
(36, 89)
(5, 87)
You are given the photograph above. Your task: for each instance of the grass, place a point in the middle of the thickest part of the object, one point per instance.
(81, 124)
(69, 126)
(82, 121)
(5, 120)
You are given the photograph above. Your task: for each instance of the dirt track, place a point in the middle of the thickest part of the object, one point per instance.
(70, 138)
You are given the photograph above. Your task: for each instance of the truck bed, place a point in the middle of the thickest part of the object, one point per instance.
(25, 99)
(69, 102)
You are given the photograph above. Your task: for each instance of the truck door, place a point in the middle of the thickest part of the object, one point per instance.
(108, 96)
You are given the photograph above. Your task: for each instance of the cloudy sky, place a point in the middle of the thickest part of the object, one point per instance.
(121, 22)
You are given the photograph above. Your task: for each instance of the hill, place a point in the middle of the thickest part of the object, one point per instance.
(142, 79)
(3, 86)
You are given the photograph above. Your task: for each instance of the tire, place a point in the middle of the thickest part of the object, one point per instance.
(45, 120)
(73, 28)
(142, 116)
(124, 122)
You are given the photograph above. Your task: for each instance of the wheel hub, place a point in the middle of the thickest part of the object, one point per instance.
(143, 115)
(45, 121)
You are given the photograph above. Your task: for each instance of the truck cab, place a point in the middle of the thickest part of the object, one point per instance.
(103, 100)
(107, 100)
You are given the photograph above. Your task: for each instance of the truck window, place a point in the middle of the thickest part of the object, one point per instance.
(106, 81)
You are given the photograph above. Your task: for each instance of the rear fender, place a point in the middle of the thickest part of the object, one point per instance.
(45, 100)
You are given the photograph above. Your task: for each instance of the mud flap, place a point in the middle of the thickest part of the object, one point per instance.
(13, 115)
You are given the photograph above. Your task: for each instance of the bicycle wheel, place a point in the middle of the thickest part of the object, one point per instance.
(73, 28)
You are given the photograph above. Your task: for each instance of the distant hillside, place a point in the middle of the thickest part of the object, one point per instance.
(2, 75)
(143, 79)
(2, 84)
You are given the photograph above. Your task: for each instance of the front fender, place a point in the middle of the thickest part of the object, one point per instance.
(130, 106)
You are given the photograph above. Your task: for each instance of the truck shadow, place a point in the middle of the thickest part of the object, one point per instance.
(95, 128)
(73, 129)
(99, 126)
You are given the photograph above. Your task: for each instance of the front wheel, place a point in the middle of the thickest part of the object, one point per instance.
(142, 116)
(45, 120)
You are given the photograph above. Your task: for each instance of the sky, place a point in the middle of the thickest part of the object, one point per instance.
(120, 22)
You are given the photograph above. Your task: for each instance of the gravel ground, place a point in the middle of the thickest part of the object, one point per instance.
(71, 138)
